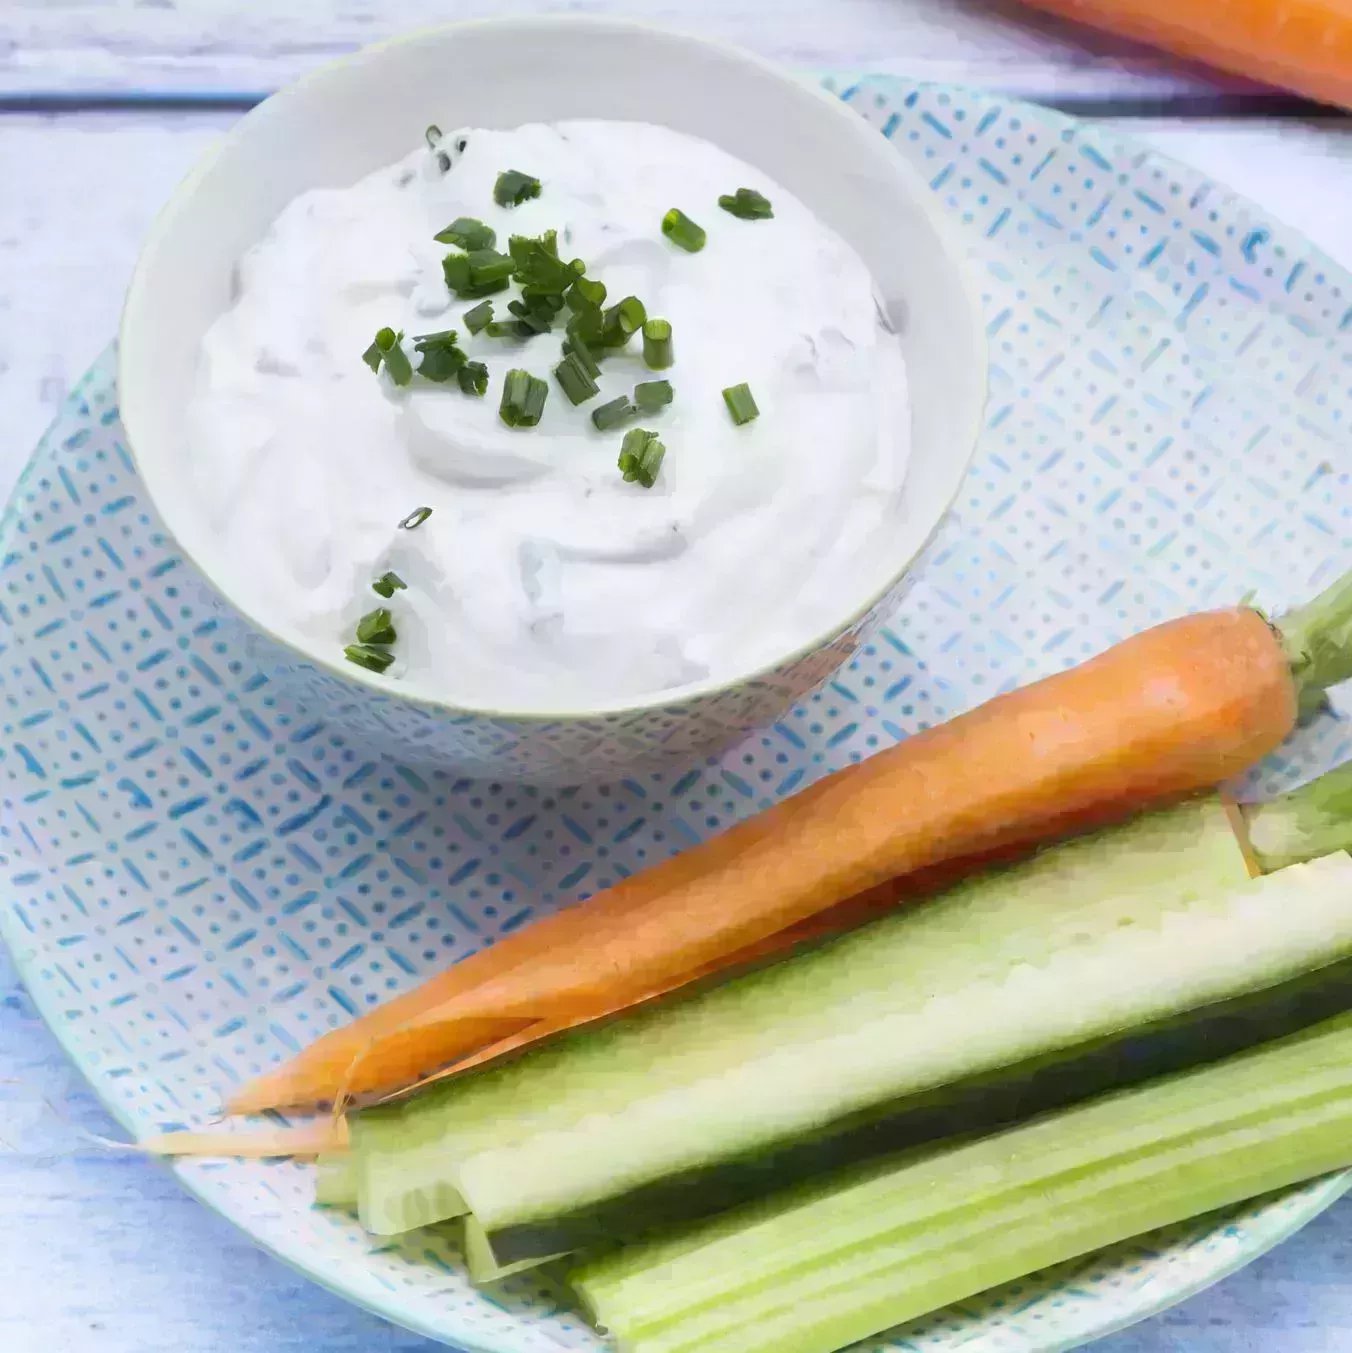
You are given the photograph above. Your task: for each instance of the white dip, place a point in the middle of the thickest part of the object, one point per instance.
(542, 580)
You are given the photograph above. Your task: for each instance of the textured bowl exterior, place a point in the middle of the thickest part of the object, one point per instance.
(556, 751)
(365, 111)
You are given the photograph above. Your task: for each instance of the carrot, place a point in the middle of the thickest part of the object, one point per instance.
(1301, 45)
(309, 1139)
(1178, 708)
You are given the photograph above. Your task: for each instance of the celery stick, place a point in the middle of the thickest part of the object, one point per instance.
(931, 995)
(1314, 820)
(816, 1268)
(481, 1262)
(336, 1180)
(385, 1203)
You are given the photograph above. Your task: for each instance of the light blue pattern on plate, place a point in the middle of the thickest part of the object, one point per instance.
(201, 876)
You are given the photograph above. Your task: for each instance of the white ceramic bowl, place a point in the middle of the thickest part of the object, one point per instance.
(365, 111)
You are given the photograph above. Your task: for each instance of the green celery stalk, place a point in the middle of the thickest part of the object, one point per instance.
(336, 1180)
(814, 1269)
(567, 1124)
(1314, 820)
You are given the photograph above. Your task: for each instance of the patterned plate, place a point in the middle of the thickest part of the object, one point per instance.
(200, 877)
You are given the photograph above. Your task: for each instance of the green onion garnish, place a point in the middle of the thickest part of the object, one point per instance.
(415, 519)
(468, 233)
(376, 627)
(502, 328)
(373, 659)
(622, 321)
(538, 267)
(652, 395)
(536, 313)
(513, 188)
(641, 457)
(740, 403)
(388, 584)
(479, 273)
(523, 399)
(386, 350)
(576, 346)
(473, 378)
(587, 324)
(478, 316)
(586, 291)
(657, 349)
(574, 380)
(441, 358)
(683, 232)
(747, 205)
(613, 414)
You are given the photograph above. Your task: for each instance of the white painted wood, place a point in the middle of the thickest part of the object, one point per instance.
(252, 46)
(90, 187)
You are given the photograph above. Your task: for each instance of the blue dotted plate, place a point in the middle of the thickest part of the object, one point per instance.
(200, 876)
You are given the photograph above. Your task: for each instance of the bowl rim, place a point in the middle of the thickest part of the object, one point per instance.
(691, 693)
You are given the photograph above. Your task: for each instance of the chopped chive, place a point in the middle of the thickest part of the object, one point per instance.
(585, 291)
(480, 273)
(513, 188)
(652, 395)
(415, 519)
(622, 321)
(587, 324)
(683, 232)
(478, 316)
(523, 399)
(575, 346)
(536, 313)
(468, 233)
(507, 328)
(441, 358)
(388, 584)
(373, 659)
(538, 267)
(574, 380)
(641, 457)
(398, 365)
(747, 205)
(487, 265)
(386, 350)
(613, 414)
(376, 627)
(740, 403)
(657, 350)
(473, 378)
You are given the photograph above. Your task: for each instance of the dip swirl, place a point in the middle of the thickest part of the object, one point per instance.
(542, 579)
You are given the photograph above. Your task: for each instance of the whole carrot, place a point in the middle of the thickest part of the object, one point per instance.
(1301, 45)
(1178, 708)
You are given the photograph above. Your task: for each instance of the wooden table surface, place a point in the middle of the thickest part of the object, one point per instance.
(104, 104)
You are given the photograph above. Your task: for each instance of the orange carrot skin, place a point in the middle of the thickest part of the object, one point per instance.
(1301, 45)
(1176, 709)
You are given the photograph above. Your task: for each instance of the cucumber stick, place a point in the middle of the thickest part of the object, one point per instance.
(1125, 925)
(336, 1180)
(815, 1268)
